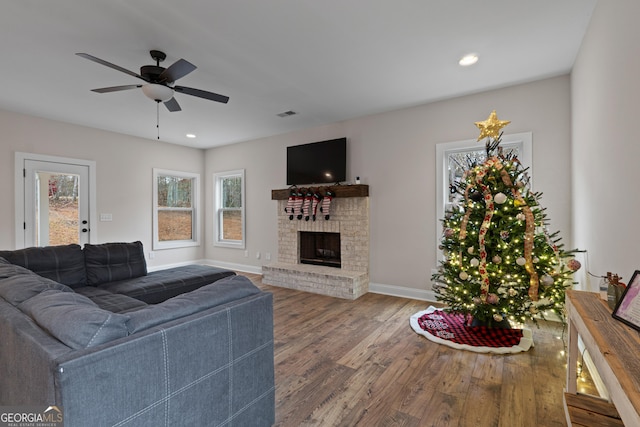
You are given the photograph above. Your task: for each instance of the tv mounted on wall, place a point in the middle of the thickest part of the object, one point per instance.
(321, 162)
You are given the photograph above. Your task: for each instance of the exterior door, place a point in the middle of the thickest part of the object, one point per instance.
(56, 202)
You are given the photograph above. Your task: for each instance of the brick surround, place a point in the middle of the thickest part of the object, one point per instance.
(350, 218)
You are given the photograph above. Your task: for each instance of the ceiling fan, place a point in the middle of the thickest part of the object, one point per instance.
(159, 80)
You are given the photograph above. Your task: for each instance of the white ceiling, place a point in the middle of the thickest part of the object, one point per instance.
(327, 60)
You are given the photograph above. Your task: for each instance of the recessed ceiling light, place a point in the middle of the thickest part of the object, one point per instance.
(190, 135)
(469, 59)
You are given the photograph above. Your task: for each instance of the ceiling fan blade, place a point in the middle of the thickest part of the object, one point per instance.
(110, 65)
(202, 94)
(178, 69)
(115, 88)
(172, 105)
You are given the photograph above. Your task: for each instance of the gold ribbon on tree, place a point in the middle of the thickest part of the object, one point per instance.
(465, 219)
(529, 233)
(486, 222)
(480, 172)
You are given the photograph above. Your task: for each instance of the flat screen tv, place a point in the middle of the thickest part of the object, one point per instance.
(323, 162)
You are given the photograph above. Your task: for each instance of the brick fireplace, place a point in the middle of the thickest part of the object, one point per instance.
(317, 270)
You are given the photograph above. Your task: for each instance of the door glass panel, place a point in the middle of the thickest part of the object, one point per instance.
(56, 203)
(54, 206)
(57, 212)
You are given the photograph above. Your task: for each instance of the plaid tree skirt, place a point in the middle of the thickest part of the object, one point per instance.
(449, 329)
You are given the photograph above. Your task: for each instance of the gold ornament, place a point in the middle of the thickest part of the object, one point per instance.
(491, 127)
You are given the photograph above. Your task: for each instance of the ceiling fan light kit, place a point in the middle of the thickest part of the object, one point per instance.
(157, 92)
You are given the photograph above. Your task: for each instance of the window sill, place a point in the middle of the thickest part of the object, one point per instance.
(174, 244)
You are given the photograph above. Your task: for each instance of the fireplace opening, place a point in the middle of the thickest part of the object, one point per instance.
(320, 248)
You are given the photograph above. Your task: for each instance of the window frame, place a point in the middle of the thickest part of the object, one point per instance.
(195, 210)
(522, 141)
(218, 177)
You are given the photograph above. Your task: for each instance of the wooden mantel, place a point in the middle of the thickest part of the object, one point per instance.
(356, 190)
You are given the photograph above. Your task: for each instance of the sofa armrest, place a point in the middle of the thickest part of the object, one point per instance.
(27, 355)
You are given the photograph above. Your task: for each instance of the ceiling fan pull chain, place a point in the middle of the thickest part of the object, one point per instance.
(158, 118)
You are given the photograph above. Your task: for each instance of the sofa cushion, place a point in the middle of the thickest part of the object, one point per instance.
(17, 284)
(64, 264)
(160, 285)
(74, 319)
(221, 292)
(109, 262)
(115, 303)
(9, 270)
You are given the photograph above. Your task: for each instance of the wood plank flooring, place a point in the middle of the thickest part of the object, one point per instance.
(359, 363)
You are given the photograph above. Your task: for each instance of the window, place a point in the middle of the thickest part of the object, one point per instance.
(175, 209)
(229, 200)
(452, 159)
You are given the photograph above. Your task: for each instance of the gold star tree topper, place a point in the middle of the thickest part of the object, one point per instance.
(491, 127)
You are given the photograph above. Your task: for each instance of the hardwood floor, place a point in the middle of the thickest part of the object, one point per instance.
(359, 363)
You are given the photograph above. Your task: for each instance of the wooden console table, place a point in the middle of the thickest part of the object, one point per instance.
(615, 350)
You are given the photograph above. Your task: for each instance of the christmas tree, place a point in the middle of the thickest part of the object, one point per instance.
(500, 263)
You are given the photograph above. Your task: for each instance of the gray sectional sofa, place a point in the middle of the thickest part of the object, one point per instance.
(91, 331)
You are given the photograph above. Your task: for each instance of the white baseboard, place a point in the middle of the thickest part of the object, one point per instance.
(403, 292)
(176, 264)
(233, 266)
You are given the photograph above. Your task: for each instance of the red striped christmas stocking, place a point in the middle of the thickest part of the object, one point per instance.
(290, 203)
(317, 198)
(325, 207)
(297, 204)
(306, 206)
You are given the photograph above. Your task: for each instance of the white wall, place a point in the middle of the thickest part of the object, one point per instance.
(605, 88)
(394, 153)
(124, 176)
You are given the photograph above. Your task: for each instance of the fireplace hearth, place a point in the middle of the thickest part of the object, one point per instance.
(319, 248)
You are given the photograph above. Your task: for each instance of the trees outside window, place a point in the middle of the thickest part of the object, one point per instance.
(176, 216)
